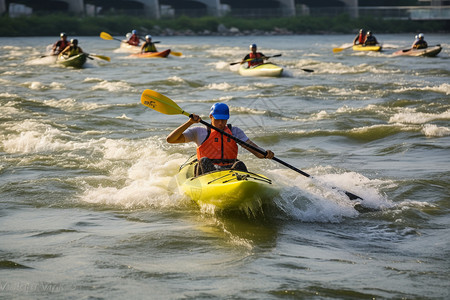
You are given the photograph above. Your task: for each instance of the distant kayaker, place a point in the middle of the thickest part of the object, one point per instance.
(215, 150)
(370, 39)
(360, 38)
(72, 49)
(254, 58)
(148, 46)
(134, 38)
(420, 43)
(61, 44)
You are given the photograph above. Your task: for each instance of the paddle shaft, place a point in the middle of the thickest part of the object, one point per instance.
(250, 59)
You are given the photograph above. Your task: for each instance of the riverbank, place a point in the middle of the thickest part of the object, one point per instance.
(51, 25)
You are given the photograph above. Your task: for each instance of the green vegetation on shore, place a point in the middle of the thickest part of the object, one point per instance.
(50, 25)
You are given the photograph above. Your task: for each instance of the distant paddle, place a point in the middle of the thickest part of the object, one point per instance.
(308, 70)
(88, 55)
(107, 58)
(107, 36)
(250, 59)
(167, 106)
(343, 47)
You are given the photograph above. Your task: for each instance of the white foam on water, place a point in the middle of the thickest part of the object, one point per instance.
(322, 198)
(118, 86)
(34, 137)
(176, 79)
(431, 130)
(220, 65)
(225, 86)
(442, 88)
(147, 171)
(8, 95)
(124, 117)
(92, 79)
(70, 105)
(47, 60)
(320, 115)
(411, 116)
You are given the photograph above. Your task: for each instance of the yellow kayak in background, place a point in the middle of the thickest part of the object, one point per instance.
(265, 69)
(367, 48)
(225, 189)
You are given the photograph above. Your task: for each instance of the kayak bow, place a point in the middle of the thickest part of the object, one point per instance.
(225, 189)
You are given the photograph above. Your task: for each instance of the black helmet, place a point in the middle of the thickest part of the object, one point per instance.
(74, 41)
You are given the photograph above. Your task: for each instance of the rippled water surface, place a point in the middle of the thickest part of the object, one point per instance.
(90, 208)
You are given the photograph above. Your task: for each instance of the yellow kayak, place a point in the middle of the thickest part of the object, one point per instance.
(367, 48)
(225, 189)
(265, 69)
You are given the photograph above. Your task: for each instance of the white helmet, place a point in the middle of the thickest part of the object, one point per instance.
(148, 36)
(420, 36)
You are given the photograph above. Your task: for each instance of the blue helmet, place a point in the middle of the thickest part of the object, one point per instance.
(252, 46)
(134, 31)
(220, 111)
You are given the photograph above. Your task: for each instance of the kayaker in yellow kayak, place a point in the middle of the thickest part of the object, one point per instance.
(370, 40)
(254, 58)
(420, 42)
(214, 150)
(61, 44)
(360, 38)
(72, 49)
(148, 46)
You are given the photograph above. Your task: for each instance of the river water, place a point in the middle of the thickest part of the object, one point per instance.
(90, 209)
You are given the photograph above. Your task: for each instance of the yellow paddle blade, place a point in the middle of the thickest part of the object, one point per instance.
(176, 53)
(335, 50)
(161, 103)
(101, 57)
(106, 36)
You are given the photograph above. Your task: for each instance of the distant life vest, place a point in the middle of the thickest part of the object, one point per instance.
(371, 41)
(61, 45)
(361, 38)
(420, 44)
(74, 51)
(149, 47)
(257, 59)
(134, 40)
(222, 150)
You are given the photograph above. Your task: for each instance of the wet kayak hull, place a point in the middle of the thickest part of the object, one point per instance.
(366, 48)
(266, 69)
(76, 61)
(160, 54)
(429, 52)
(225, 189)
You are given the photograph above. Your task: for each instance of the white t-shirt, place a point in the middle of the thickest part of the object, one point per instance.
(198, 134)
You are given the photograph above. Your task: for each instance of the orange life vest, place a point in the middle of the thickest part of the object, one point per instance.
(255, 60)
(361, 38)
(221, 149)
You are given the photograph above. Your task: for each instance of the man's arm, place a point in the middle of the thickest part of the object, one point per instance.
(177, 136)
